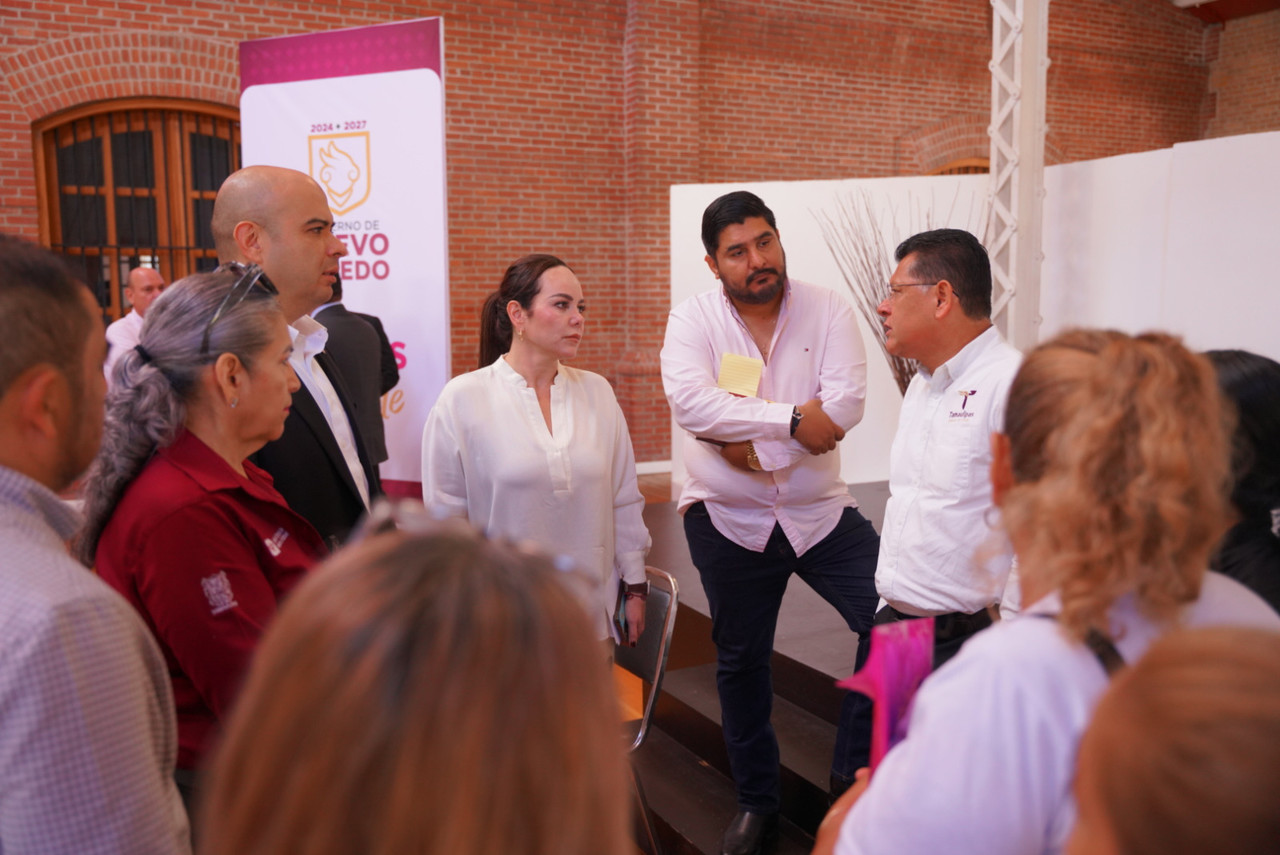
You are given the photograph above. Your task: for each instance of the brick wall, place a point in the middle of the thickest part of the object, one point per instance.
(1244, 78)
(1125, 75)
(567, 120)
(661, 110)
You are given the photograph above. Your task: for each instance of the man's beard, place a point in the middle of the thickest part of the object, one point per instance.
(767, 295)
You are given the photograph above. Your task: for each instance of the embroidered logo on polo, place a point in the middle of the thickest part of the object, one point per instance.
(217, 590)
(963, 412)
(276, 542)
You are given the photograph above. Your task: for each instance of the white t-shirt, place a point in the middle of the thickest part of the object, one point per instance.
(989, 758)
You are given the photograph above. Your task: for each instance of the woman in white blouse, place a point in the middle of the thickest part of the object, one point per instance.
(532, 449)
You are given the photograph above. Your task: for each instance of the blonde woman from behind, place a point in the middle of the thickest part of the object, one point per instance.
(430, 693)
(1112, 482)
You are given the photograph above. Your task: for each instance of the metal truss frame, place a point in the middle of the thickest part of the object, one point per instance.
(1019, 67)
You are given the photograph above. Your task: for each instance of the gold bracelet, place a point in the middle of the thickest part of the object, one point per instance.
(752, 460)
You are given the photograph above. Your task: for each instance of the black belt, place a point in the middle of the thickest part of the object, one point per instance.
(950, 624)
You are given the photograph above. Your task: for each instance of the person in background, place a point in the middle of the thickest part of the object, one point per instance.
(1113, 500)
(141, 288)
(363, 354)
(176, 518)
(87, 731)
(527, 447)
(1182, 756)
(1250, 550)
(428, 692)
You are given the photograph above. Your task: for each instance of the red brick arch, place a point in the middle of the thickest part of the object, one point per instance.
(928, 148)
(57, 75)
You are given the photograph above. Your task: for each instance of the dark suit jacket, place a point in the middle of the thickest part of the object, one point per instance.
(390, 371)
(308, 467)
(358, 348)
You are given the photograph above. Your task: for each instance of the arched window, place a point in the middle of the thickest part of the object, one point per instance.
(964, 166)
(132, 182)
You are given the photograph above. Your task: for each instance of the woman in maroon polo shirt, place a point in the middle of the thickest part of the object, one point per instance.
(176, 519)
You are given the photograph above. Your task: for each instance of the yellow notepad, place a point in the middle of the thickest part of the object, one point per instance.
(740, 375)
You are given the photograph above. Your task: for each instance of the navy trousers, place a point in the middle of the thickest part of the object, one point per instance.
(745, 589)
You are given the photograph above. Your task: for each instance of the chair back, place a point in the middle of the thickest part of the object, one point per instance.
(648, 659)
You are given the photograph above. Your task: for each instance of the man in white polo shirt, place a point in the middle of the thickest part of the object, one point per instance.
(937, 556)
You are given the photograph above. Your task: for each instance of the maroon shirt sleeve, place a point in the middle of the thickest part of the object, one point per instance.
(201, 581)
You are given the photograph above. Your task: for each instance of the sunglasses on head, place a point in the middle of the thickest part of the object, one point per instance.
(251, 277)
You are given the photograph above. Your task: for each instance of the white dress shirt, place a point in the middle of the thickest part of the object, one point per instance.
(309, 337)
(990, 753)
(816, 352)
(937, 552)
(487, 455)
(122, 335)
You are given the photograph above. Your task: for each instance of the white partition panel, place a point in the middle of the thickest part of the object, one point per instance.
(1105, 223)
(1222, 289)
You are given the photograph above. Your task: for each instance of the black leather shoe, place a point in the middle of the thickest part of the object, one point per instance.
(750, 834)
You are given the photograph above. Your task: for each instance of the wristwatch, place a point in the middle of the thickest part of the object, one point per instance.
(638, 591)
(796, 416)
(752, 460)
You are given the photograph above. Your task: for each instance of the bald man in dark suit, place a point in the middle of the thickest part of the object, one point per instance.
(280, 219)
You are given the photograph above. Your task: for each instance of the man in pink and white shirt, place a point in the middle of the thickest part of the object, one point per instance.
(763, 497)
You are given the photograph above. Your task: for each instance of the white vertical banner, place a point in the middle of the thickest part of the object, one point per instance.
(362, 112)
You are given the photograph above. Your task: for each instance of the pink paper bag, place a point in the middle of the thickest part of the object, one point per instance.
(901, 657)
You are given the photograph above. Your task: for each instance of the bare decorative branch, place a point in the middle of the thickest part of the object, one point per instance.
(863, 250)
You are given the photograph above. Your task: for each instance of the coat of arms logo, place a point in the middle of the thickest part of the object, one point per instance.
(340, 164)
(217, 590)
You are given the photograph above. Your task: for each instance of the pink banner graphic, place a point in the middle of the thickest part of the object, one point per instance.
(343, 53)
(362, 112)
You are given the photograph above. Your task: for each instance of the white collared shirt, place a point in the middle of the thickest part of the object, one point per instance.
(817, 352)
(309, 337)
(936, 522)
(122, 335)
(990, 752)
(487, 455)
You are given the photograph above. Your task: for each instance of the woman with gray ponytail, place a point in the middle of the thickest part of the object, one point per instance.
(176, 519)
